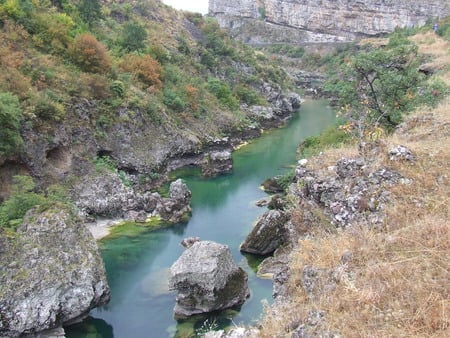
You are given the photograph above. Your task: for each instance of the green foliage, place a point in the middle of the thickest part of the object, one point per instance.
(223, 92)
(333, 136)
(46, 108)
(285, 180)
(105, 163)
(377, 86)
(288, 50)
(247, 95)
(172, 100)
(10, 117)
(90, 11)
(22, 199)
(134, 36)
(118, 88)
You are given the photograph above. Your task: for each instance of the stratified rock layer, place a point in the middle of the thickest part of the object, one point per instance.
(329, 20)
(51, 273)
(207, 279)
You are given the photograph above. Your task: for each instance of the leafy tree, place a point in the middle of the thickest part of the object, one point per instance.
(90, 11)
(133, 37)
(10, 116)
(377, 86)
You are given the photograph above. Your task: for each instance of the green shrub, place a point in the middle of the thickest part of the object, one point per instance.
(172, 100)
(10, 117)
(247, 95)
(22, 199)
(133, 37)
(223, 92)
(118, 88)
(331, 137)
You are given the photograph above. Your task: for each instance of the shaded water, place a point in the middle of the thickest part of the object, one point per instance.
(223, 211)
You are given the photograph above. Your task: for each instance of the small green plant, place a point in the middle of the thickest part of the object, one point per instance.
(118, 88)
(331, 137)
(22, 199)
(10, 117)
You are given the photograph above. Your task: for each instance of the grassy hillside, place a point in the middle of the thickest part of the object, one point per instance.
(389, 282)
(176, 67)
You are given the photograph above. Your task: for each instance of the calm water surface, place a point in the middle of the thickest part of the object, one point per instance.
(223, 211)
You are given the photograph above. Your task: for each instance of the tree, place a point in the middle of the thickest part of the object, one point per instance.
(133, 37)
(90, 11)
(10, 116)
(377, 86)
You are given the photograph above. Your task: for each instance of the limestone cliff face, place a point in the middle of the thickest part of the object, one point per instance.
(341, 19)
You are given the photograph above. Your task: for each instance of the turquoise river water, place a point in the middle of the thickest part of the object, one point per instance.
(223, 211)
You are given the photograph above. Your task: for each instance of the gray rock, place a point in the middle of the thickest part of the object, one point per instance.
(207, 279)
(217, 162)
(176, 208)
(51, 274)
(401, 153)
(189, 241)
(268, 233)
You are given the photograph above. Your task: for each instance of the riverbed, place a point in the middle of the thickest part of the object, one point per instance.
(224, 211)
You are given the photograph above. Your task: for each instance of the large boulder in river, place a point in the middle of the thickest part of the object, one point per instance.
(207, 279)
(268, 233)
(51, 273)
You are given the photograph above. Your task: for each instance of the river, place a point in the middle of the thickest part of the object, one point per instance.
(223, 211)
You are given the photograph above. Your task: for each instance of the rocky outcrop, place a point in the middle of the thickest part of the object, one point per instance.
(326, 21)
(268, 234)
(207, 279)
(51, 273)
(105, 194)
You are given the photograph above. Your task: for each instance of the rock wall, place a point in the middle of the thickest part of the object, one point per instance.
(338, 20)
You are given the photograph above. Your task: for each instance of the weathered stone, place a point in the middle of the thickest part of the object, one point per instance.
(268, 234)
(189, 241)
(207, 279)
(176, 208)
(217, 162)
(297, 21)
(401, 153)
(51, 274)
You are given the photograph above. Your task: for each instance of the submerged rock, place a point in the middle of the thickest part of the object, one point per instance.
(51, 274)
(207, 279)
(268, 234)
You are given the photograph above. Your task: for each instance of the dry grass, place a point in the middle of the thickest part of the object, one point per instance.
(397, 282)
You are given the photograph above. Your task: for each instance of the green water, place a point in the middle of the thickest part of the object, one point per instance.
(223, 211)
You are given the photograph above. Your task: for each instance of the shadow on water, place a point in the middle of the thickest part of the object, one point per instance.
(223, 211)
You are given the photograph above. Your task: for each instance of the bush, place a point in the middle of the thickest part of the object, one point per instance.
(223, 92)
(144, 68)
(22, 199)
(10, 116)
(331, 137)
(89, 54)
(133, 37)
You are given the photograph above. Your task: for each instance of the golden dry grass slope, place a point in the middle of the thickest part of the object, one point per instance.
(397, 282)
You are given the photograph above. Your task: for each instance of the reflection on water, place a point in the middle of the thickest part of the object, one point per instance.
(223, 211)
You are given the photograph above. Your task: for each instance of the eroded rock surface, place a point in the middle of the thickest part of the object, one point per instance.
(51, 273)
(320, 21)
(268, 233)
(207, 279)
